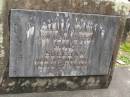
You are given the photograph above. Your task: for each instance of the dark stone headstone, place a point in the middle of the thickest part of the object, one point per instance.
(60, 43)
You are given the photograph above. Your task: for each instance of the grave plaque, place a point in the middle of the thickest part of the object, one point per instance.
(46, 43)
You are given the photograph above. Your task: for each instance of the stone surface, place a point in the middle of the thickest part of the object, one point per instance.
(71, 85)
(11, 84)
(53, 43)
(80, 6)
(120, 87)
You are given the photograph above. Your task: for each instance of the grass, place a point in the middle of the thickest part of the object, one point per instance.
(125, 59)
(124, 54)
(125, 47)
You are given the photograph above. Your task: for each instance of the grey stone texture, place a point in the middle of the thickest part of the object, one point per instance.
(119, 87)
(69, 49)
(20, 85)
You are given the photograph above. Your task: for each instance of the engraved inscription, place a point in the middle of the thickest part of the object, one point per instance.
(59, 43)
